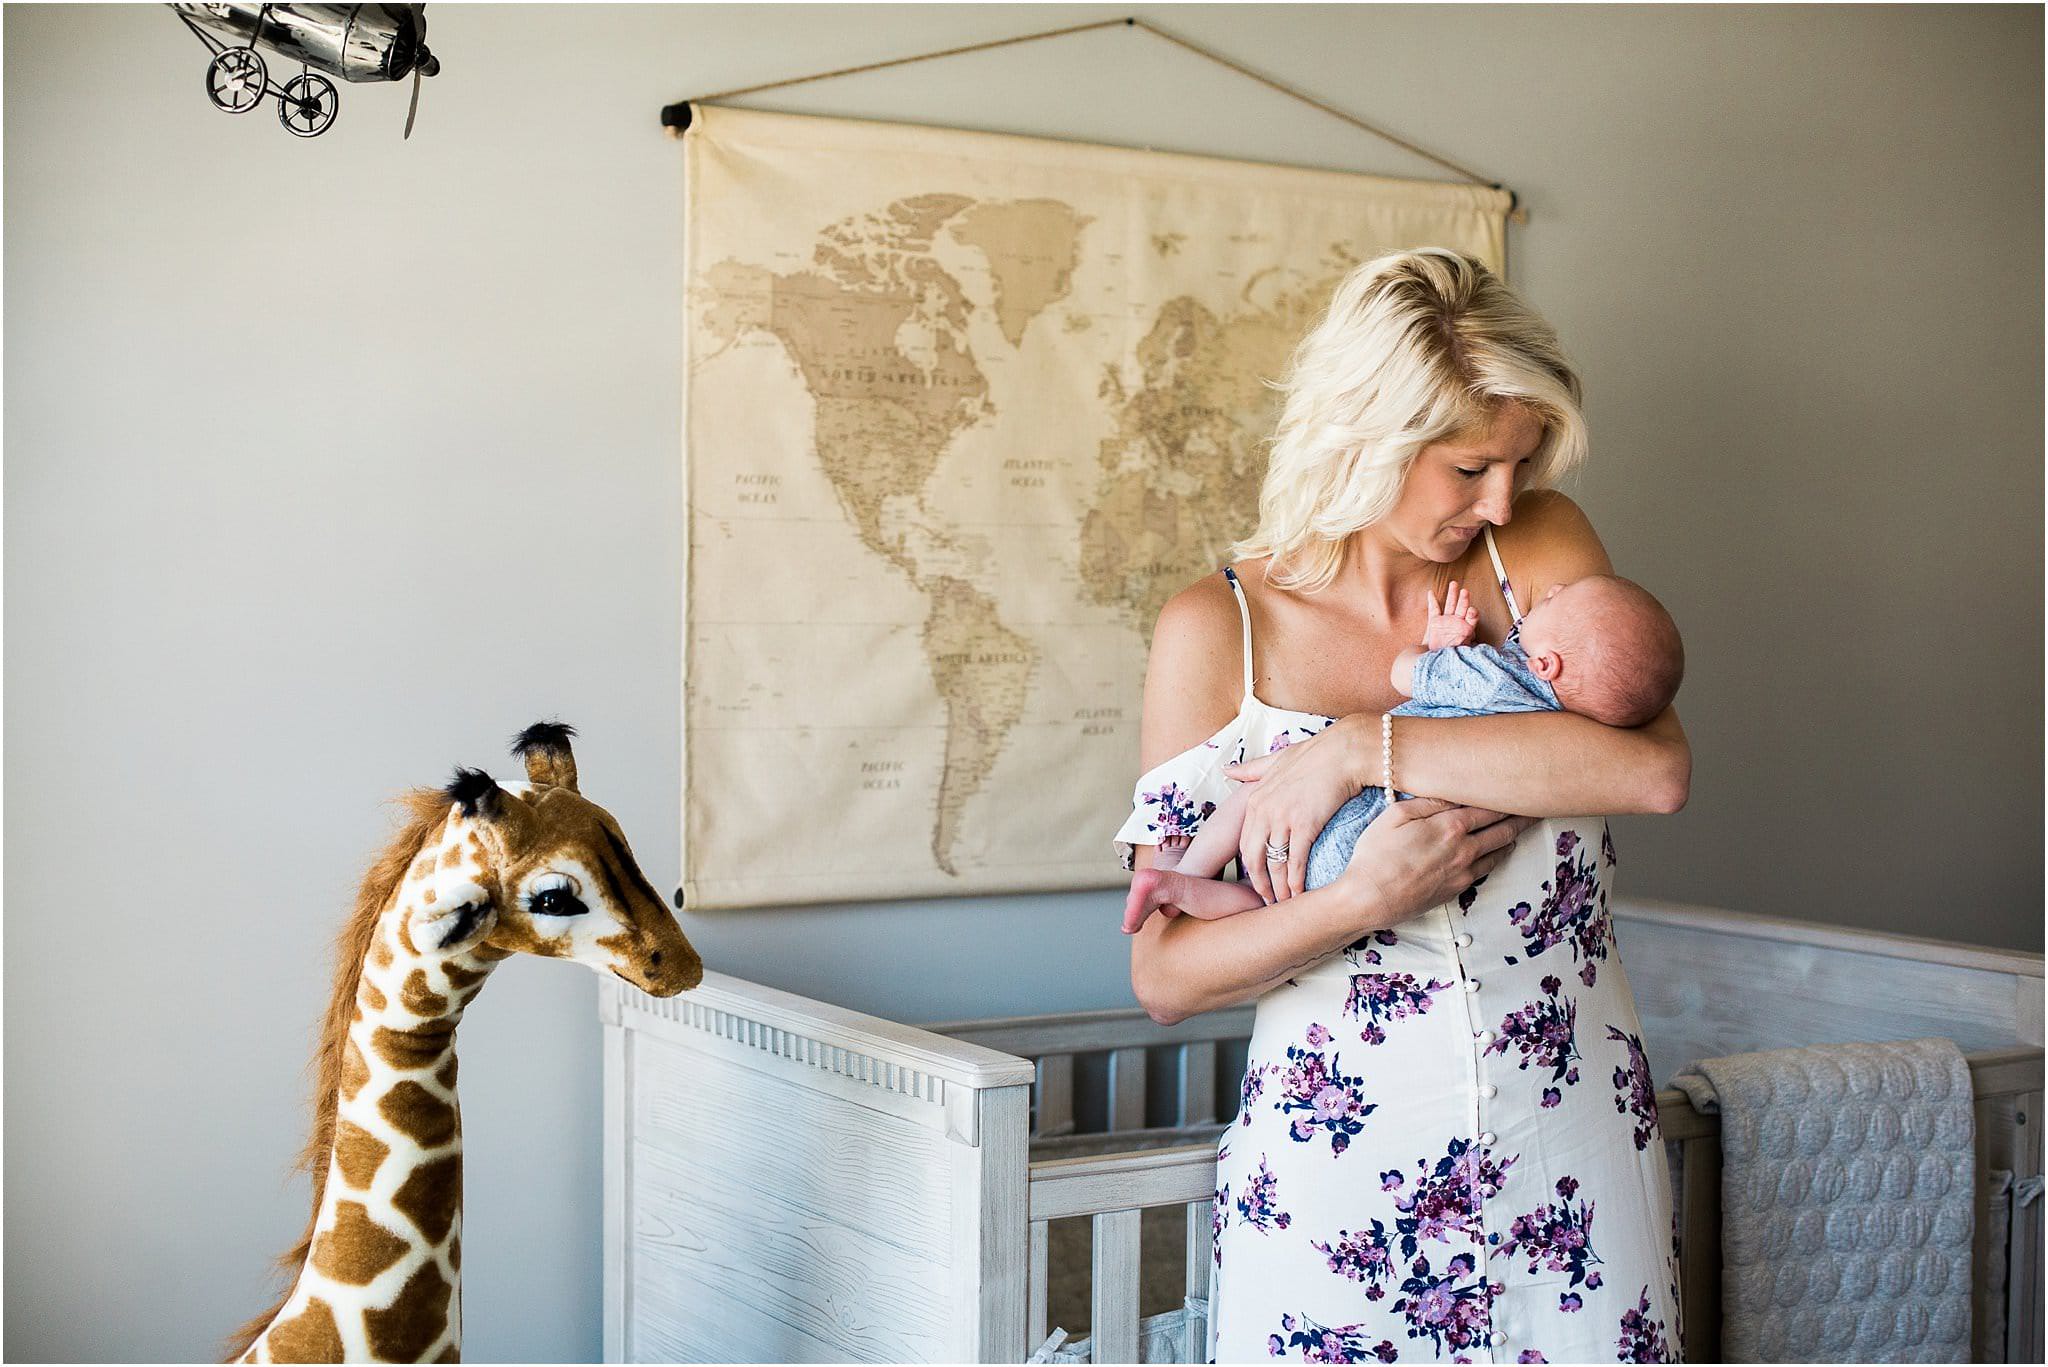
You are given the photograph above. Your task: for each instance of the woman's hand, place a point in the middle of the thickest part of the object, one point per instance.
(1423, 851)
(1295, 791)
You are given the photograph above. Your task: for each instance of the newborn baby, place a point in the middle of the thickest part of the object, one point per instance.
(1600, 646)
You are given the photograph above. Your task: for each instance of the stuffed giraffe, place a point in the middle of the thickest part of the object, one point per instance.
(479, 873)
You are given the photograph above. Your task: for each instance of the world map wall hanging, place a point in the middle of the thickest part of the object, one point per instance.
(961, 411)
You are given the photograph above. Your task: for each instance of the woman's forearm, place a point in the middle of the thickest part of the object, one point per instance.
(1530, 763)
(1182, 967)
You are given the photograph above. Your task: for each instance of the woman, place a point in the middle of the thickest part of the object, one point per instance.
(1447, 1144)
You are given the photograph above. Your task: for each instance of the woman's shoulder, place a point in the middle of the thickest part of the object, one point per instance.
(1195, 668)
(1204, 614)
(1549, 540)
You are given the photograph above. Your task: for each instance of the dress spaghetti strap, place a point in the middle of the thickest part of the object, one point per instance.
(1507, 590)
(1244, 613)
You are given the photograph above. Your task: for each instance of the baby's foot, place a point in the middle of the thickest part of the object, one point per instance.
(1150, 890)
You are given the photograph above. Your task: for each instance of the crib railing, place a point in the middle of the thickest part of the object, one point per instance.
(1107, 1163)
(1125, 1041)
(1113, 1190)
(1112, 1171)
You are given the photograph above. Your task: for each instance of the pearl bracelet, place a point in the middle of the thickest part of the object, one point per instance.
(1387, 753)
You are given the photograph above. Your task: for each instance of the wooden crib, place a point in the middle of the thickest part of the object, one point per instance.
(786, 1180)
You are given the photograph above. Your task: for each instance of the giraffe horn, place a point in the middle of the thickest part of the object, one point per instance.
(545, 748)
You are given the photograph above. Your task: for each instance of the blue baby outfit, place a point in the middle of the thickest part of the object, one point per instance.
(1457, 681)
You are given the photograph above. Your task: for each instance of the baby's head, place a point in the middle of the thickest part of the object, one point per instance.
(1607, 647)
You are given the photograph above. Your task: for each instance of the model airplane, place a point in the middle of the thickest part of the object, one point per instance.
(354, 42)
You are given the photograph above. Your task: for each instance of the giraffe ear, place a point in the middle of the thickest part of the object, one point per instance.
(462, 916)
(545, 748)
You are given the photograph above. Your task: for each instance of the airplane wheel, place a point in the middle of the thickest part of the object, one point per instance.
(308, 105)
(234, 80)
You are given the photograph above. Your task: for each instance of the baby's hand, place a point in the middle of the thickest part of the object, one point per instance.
(1453, 623)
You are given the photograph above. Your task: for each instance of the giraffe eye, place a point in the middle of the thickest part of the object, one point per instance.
(557, 897)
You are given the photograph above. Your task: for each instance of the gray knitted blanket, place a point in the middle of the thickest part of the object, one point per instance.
(1847, 1178)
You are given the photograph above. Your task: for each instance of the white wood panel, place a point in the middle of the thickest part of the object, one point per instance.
(1038, 1296)
(990, 1240)
(1197, 1082)
(1749, 925)
(1082, 1032)
(1066, 1187)
(618, 1170)
(805, 1226)
(1703, 991)
(1201, 1265)
(1127, 1089)
(1113, 1316)
(2023, 1307)
(1055, 1093)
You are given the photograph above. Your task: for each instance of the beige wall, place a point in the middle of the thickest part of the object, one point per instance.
(330, 464)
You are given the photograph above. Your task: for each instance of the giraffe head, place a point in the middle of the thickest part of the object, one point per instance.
(540, 869)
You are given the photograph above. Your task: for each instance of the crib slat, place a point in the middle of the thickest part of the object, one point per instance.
(1113, 1320)
(1699, 1243)
(1038, 1284)
(2023, 1276)
(1126, 1091)
(1055, 1098)
(1197, 1082)
(1201, 1260)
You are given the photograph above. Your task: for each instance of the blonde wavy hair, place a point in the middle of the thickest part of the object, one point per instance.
(1415, 347)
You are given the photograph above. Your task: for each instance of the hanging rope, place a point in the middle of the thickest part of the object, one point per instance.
(677, 116)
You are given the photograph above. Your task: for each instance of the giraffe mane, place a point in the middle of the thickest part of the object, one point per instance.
(425, 809)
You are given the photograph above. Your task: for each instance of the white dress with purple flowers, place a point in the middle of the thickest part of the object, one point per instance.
(1446, 1147)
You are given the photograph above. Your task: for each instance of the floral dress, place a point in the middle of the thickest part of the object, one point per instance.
(1446, 1146)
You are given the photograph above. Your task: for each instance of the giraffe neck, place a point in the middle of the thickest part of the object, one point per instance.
(381, 1281)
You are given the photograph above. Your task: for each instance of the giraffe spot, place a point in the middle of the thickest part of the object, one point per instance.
(419, 1048)
(354, 1071)
(423, 867)
(405, 937)
(357, 1248)
(455, 1253)
(358, 1154)
(450, 857)
(491, 953)
(460, 977)
(373, 996)
(428, 896)
(309, 1336)
(445, 1074)
(419, 998)
(431, 1195)
(419, 1115)
(406, 1328)
(380, 953)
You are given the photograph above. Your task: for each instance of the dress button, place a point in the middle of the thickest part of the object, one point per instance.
(1462, 940)
(1484, 1036)
(1487, 1138)
(1487, 1089)
(1497, 1337)
(1471, 984)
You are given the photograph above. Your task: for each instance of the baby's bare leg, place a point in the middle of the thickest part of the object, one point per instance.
(1207, 899)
